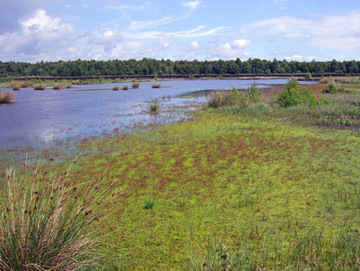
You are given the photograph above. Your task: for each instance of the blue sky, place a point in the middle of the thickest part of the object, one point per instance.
(35, 30)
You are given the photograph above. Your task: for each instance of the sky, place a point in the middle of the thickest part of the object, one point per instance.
(302, 30)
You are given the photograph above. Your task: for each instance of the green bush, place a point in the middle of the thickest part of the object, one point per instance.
(253, 93)
(294, 94)
(332, 89)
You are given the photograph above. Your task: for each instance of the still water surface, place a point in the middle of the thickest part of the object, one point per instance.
(44, 118)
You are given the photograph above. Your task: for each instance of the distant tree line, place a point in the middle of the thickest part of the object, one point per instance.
(148, 66)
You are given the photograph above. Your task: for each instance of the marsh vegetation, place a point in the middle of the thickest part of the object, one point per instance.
(248, 183)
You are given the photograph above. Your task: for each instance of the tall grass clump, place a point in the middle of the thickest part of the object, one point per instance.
(16, 85)
(156, 85)
(7, 97)
(39, 86)
(57, 86)
(222, 98)
(135, 85)
(154, 107)
(50, 223)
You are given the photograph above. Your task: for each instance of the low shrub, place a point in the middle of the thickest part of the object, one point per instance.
(333, 89)
(57, 86)
(7, 97)
(156, 85)
(294, 94)
(38, 86)
(253, 93)
(308, 76)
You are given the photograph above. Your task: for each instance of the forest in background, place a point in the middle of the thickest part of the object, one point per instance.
(148, 66)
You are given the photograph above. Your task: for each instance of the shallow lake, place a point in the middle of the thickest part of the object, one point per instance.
(51, 117)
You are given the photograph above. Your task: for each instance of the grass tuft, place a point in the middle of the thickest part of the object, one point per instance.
(156, 85)
(57, 86)
(7, 97)
(125, 87)
(154, 107)
(39, 86)
(50, 223)
(135, 85)
(115, 88)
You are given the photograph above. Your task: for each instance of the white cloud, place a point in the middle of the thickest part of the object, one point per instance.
(241, 43)
(132, 49)
(166, 41)
(137, 25)
(44, 27)
(104, 37)
(294, 57)
(191, 4)
(323, 31)
(194, 46)
(193, 33)
(40, 35)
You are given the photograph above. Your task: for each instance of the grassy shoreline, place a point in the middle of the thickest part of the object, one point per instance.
(228, 190)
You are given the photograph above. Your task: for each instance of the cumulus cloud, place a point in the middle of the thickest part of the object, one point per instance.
(43, 26)
(241, 43)
(194, 46)
(294, 57)
(104, 37)
(15, 10)
(37, 34)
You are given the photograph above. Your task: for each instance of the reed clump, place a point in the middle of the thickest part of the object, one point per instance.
(57, 86)
(222, 98)
(7, 97)
(154, 107)
(39, 86)
(16, 85)
(50, 223)
(156, 85)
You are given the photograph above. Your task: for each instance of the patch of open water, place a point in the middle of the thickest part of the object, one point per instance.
(43, 119)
